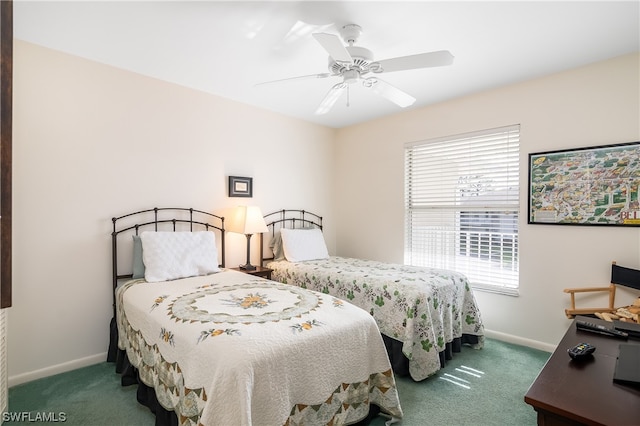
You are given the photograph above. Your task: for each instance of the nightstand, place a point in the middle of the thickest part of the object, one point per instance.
(260, 271)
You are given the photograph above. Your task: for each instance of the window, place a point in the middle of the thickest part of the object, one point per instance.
(462, 206)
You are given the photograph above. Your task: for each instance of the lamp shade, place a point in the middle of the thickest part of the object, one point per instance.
(247, 220)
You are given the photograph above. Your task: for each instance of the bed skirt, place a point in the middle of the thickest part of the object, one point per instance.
(400, 363)
(147, 396)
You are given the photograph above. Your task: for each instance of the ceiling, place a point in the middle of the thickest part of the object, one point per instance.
(226, 48)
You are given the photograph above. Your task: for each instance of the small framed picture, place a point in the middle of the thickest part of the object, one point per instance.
(240, 186)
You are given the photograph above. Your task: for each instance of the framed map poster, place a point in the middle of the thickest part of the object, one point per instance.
(586, 186)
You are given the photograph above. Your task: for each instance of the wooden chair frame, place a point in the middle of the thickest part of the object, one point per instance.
(619, 276)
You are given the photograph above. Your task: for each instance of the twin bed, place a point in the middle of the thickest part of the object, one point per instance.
(211, 346)
(424, 314)
(318, 344)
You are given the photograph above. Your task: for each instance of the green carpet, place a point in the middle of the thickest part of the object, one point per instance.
(477, 387)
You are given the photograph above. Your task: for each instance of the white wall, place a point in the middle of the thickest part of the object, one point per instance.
(92, 142)
(594, 105)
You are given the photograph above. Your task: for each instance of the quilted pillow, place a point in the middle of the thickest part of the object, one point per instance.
(173, 255)
(303, 244)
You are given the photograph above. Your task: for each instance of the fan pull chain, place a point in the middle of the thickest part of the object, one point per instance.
(348, 97)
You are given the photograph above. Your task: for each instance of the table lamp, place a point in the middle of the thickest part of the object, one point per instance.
(248, 220)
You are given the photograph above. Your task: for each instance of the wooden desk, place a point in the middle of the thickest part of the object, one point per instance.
(567, 392)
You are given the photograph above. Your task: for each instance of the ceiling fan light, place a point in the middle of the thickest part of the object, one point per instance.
(351, 76)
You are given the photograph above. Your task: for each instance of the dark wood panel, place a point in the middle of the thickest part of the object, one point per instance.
(6, 154)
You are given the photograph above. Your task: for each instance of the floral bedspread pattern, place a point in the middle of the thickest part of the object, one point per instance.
(424, 308)
(233, 349)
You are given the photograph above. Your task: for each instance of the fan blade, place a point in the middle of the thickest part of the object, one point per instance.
(421, 60)
(331, 98)
(334, 47)
(302, 77)
(389, 92)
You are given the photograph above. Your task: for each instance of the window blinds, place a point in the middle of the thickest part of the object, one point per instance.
(462, 206)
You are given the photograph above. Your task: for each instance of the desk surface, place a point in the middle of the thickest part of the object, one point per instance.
(584, 392)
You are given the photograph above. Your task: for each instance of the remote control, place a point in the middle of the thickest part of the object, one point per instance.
(581, 351)
(601, 329)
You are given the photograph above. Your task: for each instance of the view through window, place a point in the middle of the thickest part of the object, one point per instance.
(462, 206)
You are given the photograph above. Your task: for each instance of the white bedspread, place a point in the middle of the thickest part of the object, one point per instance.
(233, 349)
(425, 308)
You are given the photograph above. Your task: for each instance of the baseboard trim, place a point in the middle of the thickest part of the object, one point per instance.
(56, 369)
(517, 340)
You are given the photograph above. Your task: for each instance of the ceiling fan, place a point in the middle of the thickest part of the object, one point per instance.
(356, 64)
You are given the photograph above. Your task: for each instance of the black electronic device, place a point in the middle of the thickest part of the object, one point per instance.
(581, 351)
(631, 328)
(600, 329)
(627, 369)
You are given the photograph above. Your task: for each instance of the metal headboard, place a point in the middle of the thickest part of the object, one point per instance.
(291, 219)
(168, 218)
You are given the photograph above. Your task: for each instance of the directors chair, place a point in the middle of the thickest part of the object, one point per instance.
(620, 275)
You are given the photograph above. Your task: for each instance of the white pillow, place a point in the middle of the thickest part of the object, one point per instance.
(303, 244)
(173, 255)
